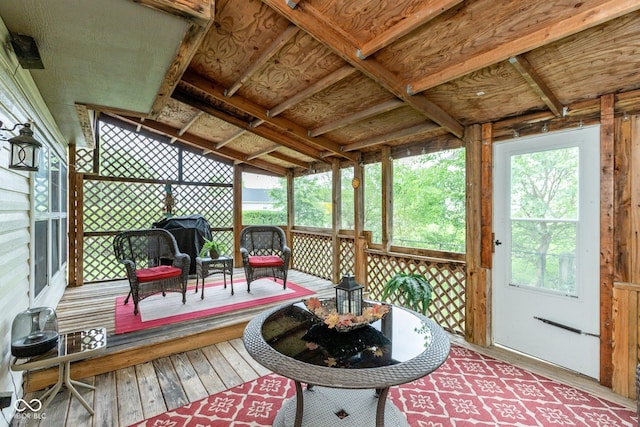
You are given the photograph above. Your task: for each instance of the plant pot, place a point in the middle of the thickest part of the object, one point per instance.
(213, 254)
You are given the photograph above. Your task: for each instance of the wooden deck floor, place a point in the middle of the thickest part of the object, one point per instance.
(130, 394)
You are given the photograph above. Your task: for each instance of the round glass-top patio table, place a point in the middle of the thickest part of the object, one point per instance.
(292, 341)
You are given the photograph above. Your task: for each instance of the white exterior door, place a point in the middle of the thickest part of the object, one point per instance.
(546, 263)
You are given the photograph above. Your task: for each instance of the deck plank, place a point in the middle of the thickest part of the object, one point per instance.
(169, 381)
(191, 384)
(242, 368)
(150, 391)
(105, 407)
(209, 377)
(222, 366)
(129, 404)
(76, 410)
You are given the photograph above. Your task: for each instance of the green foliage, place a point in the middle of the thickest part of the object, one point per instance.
(211, 245)
(312, 200)
(415, 289)
(264, 217)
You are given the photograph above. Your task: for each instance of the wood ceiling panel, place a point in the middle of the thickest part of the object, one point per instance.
(456, 35)
(212, 128)
(176, 114)
(390, 122)
(295, 154)
(250, 143)
(506, 93)
(338, 101)
(241, 31)
(300, 63)
(365, 19)
(597, 61)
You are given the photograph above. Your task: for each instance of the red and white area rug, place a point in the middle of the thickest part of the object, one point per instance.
(469, 389)
(157, 310)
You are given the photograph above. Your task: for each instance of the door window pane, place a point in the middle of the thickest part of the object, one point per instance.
(544, 215)
(41, 252)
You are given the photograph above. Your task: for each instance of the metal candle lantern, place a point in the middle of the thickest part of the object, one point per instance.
(349, 296)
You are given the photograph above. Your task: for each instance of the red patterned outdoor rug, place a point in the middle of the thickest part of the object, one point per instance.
(469, 389)
(157, 310)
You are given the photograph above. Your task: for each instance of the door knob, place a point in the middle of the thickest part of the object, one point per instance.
(498, 242)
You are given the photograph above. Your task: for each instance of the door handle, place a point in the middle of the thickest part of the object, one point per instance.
(498, 242)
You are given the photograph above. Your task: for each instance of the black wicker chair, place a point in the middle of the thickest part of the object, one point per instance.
(264, 253)
(638, 391)
(153, 262)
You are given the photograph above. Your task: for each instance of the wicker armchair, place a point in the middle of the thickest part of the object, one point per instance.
(638, 392)
(153, 262)
(264, 253)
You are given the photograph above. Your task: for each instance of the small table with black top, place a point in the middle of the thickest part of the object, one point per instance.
(207, 266)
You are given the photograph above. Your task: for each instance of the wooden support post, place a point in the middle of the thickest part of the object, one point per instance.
(290, 214)
(607, 126)
(336, 216)
(237, 214)
(79, 184)
(72, 217)
(358, 211)
(478, 278)
(387, 198)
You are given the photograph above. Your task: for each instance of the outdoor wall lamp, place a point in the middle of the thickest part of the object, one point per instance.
(25, 150)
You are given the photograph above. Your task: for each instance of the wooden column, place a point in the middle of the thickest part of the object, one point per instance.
(387, 198)
(358, 210)
(79, 270)
(72, 217)
(336, 218)
(478, 278)
(237, 214)
(606, 236)
(290, 212)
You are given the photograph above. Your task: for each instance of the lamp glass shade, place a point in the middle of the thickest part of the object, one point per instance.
(25, 150)
(349, 296)
(34, 331)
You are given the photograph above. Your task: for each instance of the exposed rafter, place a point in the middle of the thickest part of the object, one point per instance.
(285, 126)
(286, 35)
(190, 123)
(532, 77)
(405, 26)
(231, 138)
(264, 152)
(381, 139)
(360, 115)
(313, 22)
(583, 19)
(318, 86)
(263, 131)
(200, 15)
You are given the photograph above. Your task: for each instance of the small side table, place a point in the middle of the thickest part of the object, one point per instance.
(207, 266)
(71, 347)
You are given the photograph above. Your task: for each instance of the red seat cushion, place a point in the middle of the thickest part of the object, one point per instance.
(157, 273)
(265, 261)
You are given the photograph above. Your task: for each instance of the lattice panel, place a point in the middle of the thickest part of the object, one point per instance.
(99, 260)
(117, 206)
(197, 168)
(312, 254)
(225, 237)
(128, 154)
(84, 160)
(446, 278)
(347, 257)
(213, 203)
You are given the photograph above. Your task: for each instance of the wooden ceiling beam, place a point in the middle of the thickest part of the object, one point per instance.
(405, 26)
(204, 144)
(263, 131)
(289, 159)
(318, 86)
(524, 67)
(87, 120)
(231, 137)
(354, 118)
(285, 126)
(200, 15)
(263, 152)
(314, 23)
(190, 123)
(280, 41)
(402, 133)
(584, 18)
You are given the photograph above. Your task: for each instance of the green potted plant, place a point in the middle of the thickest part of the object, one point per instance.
(414, 288)
(213, 248)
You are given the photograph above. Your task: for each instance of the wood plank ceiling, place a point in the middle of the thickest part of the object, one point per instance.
(290, 84)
